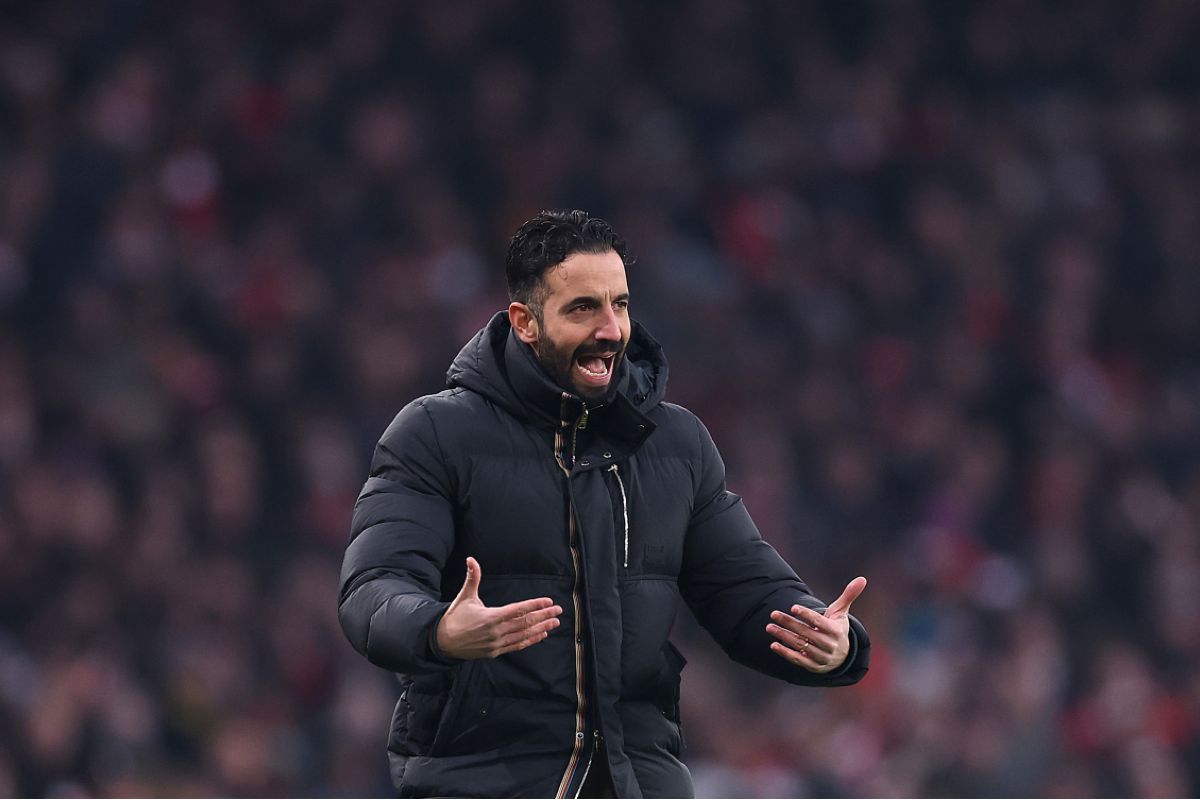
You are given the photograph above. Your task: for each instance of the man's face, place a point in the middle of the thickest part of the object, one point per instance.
(584, 329)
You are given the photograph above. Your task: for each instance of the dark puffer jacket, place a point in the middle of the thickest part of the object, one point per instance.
(615, 514)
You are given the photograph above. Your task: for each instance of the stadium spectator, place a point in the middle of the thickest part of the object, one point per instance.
(230, 247)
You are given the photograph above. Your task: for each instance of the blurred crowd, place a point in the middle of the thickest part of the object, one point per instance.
(929, 271)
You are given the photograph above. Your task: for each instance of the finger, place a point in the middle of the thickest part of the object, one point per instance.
(802, 640)
(796, 634)
(524, 633)
(521, 642)
(841, 606)
(470, 587)
(519, 609)
(518, 646)
(809, 620)
(807, 660)
(528, 620)
(812, 624)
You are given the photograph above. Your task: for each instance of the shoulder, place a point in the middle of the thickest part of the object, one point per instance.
(457, 421)
(678, 427)
(676, 418)
(672, 412)
(429, 413)
(449, 402)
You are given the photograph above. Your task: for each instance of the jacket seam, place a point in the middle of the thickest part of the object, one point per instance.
(437, 440)
(371, 622)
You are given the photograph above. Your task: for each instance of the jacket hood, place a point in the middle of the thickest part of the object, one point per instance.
(497, 365)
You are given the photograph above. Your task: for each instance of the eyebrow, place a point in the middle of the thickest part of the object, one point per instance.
(593, 299)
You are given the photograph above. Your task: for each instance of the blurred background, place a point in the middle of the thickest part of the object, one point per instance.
(929, 271)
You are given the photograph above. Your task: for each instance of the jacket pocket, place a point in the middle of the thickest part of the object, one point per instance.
(423, 700)
(675, 664)
(398, 737)
(457, 716)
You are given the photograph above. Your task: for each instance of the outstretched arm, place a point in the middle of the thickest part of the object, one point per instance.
(734, 582)
(391, 605)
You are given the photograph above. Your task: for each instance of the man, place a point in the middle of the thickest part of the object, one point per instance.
(520, 547)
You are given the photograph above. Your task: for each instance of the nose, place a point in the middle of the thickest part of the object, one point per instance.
(610, 327)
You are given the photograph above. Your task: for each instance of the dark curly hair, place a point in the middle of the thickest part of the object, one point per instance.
(546, 241)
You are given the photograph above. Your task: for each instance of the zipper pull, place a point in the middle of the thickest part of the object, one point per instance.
(583, 419)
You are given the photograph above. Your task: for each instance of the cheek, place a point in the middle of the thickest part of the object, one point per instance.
(568, 336)
(562, 340)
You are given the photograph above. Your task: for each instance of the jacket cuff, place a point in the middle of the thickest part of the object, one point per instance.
(433, 653)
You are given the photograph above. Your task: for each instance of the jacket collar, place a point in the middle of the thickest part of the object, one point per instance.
(540, 395)
(618, 420)
(499, 366)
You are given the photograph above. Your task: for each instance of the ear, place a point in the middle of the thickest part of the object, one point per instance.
(524, 322)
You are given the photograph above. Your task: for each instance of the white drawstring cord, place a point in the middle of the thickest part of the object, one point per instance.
(624, 509)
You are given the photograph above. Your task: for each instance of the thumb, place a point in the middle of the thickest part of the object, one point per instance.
(470, 587)
(841, 606)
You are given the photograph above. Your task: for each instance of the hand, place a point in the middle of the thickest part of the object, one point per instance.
(817, 643)
(469, 629)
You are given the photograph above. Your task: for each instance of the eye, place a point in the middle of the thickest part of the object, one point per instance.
(622, 304)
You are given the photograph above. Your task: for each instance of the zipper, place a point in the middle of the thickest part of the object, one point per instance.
(564, 785)
(580, 702)
(591, 758)
(624, 509)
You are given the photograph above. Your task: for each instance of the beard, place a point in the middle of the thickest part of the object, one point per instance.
(559, 364)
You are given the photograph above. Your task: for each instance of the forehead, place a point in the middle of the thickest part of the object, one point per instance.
(588, 274)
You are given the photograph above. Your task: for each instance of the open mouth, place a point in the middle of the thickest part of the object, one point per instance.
(596, 368)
